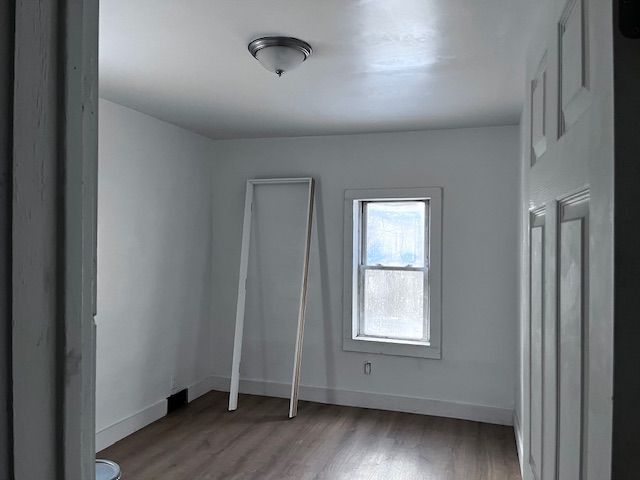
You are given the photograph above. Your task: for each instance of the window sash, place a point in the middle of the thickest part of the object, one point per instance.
(363, 229)
(363, 267)
(425, 302)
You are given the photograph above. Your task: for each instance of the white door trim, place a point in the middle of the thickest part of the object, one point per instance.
(242, 282)
(53, 248)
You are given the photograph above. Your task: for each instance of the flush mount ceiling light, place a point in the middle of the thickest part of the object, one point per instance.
(280, 54)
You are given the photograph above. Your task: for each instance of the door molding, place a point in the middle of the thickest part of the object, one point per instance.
(53, 238)
(537, 219)
(572, 210)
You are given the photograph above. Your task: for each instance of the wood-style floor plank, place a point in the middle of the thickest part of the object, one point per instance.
(324, 442)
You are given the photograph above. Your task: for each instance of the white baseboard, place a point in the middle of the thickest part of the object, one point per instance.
(200, 388)
(519, 447)
(352, 398)
(125, 427)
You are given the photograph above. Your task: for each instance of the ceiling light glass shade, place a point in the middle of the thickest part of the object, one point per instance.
(280, 54)
(280, 59)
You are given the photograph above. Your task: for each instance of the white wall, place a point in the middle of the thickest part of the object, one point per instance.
(154, 267)
(478, 169)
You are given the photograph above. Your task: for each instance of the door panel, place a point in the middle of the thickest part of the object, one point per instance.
(536, 308)
(571, 340)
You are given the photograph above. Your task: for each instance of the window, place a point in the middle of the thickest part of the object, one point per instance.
(392, 271)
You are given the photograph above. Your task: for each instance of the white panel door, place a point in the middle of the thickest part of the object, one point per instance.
(568, 120)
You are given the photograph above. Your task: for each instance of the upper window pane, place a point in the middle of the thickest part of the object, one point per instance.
(395, 233)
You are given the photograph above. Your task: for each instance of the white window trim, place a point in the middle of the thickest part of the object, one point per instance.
(408, 348)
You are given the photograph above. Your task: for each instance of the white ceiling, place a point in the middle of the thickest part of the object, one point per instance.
(377, 65)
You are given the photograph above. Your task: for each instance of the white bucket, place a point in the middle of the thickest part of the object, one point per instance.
(107, 470)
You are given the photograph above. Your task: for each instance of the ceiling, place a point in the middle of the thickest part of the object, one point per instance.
(377, 65)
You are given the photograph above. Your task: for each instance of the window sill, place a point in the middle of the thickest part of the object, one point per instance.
(388, 346)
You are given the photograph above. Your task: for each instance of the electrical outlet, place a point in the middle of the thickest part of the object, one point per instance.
(367, 368)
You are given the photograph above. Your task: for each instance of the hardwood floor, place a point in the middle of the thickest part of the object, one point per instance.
(205, 441)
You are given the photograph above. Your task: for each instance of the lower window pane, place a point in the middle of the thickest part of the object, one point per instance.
(394, 304)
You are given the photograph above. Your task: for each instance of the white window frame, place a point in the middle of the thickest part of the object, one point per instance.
(360, 218)
(353, 238)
